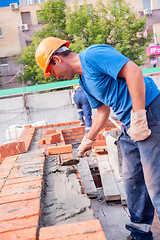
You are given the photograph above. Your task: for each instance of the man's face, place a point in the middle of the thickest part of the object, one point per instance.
(61, 69)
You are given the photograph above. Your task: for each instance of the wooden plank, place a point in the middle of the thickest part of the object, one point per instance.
(110, 189)
(87, 178)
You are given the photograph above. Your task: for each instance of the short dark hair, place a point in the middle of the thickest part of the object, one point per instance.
(63, 54)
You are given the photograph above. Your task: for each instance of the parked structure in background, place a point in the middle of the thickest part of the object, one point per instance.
(18, 21)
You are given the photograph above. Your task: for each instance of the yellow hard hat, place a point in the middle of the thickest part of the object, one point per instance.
(45, 50)
(76, 87)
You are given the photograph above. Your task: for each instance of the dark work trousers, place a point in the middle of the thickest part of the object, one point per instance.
(141, 174)
(83, 107)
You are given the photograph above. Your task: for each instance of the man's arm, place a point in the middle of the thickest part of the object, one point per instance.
(138, 130)
(135, 82)
(100, 118)
(99, 121)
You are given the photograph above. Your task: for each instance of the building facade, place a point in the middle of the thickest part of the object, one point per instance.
(18, 21)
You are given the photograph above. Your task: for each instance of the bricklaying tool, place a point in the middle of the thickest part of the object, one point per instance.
(114, 122)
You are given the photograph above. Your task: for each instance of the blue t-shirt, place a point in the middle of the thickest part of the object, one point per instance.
(100, 66)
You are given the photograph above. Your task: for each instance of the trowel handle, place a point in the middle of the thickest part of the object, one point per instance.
(114, 122)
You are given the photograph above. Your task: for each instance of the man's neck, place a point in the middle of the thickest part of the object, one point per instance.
(75, 63)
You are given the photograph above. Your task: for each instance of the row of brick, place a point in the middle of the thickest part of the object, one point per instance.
(70, 135)
(20, 198)
(20, 192)
(20, 146)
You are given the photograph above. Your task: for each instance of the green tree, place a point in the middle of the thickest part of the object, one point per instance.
(87, 26)
(115, 24)
(52, 14)
(127, 31)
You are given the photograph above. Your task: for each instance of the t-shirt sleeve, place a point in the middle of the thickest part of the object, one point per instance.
(106, 60)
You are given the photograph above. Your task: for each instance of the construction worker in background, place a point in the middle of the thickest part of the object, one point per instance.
(112, 80)
(83, 107)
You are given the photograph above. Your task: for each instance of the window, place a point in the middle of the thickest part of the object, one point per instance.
(28, 42)
(28, 2)
(1, 34)
(158, 3)
(146, 4)
(26, 18)
(3, 61)
(23, 2)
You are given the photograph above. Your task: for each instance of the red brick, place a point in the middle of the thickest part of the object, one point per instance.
(23, 180)
(65, 157)
(4, 173)
(8, 162)
(60, 149)
(20, 197)
(13, 148)
(2, 182)
(25, 187)
(2, 159)
(27, 136)
(24, 234)
(16, 224)
(19, 209)
(28, 126)
(99, 143)
(49, 131)
(86, 236)
(53, 138)
(71, 230)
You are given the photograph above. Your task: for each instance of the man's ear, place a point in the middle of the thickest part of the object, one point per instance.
(56, 59)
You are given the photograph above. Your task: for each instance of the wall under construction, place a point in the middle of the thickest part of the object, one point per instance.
(52, 107)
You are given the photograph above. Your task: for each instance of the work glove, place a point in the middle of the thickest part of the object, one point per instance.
(139, 130)
(85, 148)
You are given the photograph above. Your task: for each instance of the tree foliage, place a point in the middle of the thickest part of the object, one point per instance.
(52, 14)
(115, 24)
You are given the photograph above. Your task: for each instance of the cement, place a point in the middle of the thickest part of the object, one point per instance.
(62, 200)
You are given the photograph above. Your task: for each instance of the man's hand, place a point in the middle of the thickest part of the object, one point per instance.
(139, 130)
(84, 150)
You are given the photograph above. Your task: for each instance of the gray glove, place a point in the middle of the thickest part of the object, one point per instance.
(85, 148)
(139, 130)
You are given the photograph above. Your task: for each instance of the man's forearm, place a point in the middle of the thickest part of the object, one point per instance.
(99, 121)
